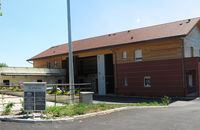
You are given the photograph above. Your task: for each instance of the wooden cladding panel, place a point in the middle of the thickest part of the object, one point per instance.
(42, 63)
(160, 50)
(94, 53)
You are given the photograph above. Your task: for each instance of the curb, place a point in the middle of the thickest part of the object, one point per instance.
(12, 119)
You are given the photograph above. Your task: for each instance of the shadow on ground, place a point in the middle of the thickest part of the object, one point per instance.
(133, 99)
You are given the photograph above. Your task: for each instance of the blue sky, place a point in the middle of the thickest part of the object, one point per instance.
(29, 27)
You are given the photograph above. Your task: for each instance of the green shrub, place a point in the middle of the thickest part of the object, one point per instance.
(11, 88)
(102, 104)
(2, 88)
(8, 108)
(67, 93)
(22, 109)
(59, 93)
(166, 100)
(49, 92)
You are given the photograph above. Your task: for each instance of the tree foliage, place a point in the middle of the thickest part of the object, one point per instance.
(0, 10)
(3, 65)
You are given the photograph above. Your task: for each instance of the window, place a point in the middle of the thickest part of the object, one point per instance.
(48, 64)
(6, 82)
(192, 51)
(55, 64)
(138, 55)
(39, 80)
(199, 52)
(190, 81)
(124, 55)
(125, 82)
(147, 81)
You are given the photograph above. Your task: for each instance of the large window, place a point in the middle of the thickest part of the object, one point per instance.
(138, 55)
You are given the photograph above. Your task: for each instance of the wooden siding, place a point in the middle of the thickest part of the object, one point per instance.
(42, 63)
(160, 50)
(94, 53)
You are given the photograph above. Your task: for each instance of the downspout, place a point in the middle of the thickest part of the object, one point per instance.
(115, 70)
(183, 65)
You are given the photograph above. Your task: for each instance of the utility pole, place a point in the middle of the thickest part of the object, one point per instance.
(70, 55)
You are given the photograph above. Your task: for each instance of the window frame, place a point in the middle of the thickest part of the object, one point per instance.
(125, 82)
(55, 64)
(145, 79)
(48, 64)
(192, 51)
(138, 59)
(190, 81)
(124, 55)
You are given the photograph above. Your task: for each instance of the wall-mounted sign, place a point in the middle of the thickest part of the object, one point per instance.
(34, 96)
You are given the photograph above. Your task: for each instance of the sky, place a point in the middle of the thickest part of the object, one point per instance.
(29, 27)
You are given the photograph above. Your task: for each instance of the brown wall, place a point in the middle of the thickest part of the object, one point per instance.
(192, 67)
(166, 78)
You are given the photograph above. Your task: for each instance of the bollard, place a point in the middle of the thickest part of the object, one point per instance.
(86, 97)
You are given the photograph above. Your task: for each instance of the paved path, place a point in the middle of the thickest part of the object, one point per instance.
(181, 117)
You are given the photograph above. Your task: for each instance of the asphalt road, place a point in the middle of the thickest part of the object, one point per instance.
(172, 118)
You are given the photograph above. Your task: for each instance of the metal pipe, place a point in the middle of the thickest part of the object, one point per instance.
(71, 68)
(183, 65)
(115, 70)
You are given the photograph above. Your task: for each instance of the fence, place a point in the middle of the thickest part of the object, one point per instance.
(55, 94)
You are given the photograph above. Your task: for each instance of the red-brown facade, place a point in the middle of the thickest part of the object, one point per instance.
(166, 77)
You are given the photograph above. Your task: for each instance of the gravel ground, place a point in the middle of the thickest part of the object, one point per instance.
(16, 100)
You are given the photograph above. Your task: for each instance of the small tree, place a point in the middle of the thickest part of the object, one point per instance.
(3, 65)
(0, 9)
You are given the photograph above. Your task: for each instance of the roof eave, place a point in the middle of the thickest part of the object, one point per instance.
(123, 44)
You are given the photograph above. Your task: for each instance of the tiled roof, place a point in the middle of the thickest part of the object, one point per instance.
(169, 30)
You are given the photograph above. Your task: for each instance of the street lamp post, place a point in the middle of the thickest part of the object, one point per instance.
(71, 68)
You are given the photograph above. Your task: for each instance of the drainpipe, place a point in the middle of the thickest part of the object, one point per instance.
(183, 65)
(115, 70)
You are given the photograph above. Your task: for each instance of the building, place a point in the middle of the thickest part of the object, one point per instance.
(151, 61)
(17, 75)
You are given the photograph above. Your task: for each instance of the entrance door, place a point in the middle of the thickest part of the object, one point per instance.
(101, 75)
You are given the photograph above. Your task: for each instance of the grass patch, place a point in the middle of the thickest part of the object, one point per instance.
(80, 109)
(149, 104)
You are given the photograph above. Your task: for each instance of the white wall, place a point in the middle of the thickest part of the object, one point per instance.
(192, 40)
